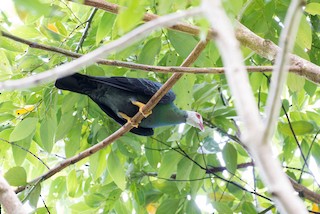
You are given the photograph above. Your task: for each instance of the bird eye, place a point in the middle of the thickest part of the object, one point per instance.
(198, 116)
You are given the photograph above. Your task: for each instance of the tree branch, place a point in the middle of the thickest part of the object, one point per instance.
(279, 77)
(9, 199)
(92, 57)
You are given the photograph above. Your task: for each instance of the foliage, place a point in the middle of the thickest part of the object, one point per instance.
(168, 172)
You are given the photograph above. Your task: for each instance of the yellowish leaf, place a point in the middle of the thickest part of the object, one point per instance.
(53, 28)
(152, 208)
(25, 109)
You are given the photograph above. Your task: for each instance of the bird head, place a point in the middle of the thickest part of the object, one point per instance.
(195, 119)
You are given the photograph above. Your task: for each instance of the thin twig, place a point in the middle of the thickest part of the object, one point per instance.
(26, 150)
(85, 32)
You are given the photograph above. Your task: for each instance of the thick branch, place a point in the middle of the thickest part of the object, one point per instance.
(264, 48)
(305, 192)
(9, 199)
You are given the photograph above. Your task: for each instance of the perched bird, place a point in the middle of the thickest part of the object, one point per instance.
(122, 97)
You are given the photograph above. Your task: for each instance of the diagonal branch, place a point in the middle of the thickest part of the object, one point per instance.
(128, 126)
(280, 73)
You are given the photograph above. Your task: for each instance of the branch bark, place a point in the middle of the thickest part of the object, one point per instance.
(9, 199)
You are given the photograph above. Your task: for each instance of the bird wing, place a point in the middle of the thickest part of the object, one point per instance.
(136, 85)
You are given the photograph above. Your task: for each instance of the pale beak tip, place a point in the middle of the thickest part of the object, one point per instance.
(201, 127)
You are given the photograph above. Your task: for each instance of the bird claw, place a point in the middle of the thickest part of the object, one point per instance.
(141, 105)
(126, 117)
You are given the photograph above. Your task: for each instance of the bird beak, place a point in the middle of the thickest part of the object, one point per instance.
(201, 127)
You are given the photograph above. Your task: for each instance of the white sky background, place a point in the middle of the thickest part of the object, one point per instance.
(8, 8)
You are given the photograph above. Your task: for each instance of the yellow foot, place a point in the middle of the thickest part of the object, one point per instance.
(141, 105)
(126, 117)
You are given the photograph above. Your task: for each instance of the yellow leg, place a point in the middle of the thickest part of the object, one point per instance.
(141, 105)
(126, 117)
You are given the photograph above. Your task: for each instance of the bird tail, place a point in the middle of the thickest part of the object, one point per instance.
(75, 83)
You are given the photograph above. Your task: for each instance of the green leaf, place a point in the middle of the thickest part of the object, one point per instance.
(5, 65)
(24, 129)
(150, 51)
(34, 7)
(209, 146)
(26, 31)
(120, 207)
(95, 200)
(316, 153)
(47, 133)
(72, 183)
(11, 45)
(105, 26)
(313, 8)
(73, 142)
(248, 208)
(130, 16)
(168, 206)
(183, 172)
(16, 176)
(184, 87)
(116, 171)
(256, 80)
(295, 82)
(152, 153)
(98, 163)
(222, 207)
(183, 43)
(230, 156)
(304, 35)
(166, 187)
(169, 164)
(34, 195)
(197, 173)
(299, 127)
(65, 125)
(310, 88)
(192, 207)
(289, 148)
(20, 151)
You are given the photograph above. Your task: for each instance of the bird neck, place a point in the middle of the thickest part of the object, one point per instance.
(170, 114)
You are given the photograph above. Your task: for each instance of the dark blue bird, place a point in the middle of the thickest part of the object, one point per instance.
(122, 97)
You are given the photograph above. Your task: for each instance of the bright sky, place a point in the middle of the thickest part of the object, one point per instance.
(9, 10)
